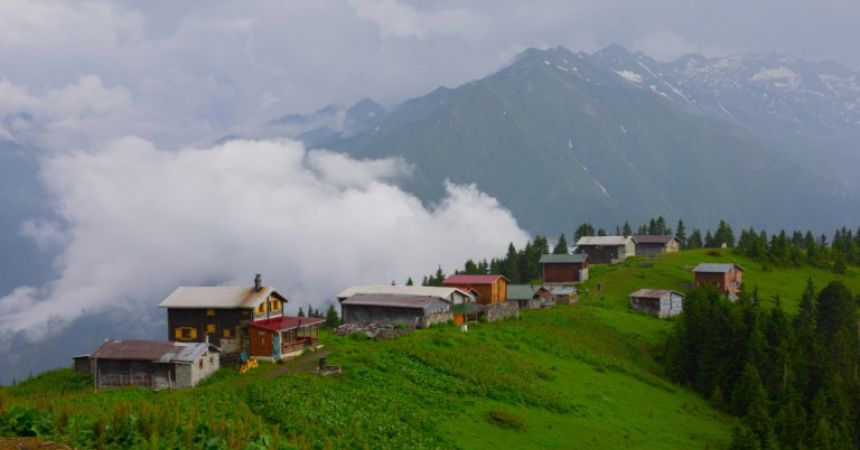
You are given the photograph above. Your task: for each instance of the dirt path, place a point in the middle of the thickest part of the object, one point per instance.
(304, 363)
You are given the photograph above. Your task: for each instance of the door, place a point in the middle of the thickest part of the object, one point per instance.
(276, 346)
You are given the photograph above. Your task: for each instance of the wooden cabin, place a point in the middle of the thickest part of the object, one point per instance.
(491, 289)
(726, 278)
(385, 309)
(564, 269)
(659, 302)
(413, 311)
(283, 337)
(606, 249)
(529, 296)
(653, 245)
(152, 364)
(220, 313)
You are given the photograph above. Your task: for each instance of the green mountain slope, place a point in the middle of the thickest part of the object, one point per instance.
(558, 139)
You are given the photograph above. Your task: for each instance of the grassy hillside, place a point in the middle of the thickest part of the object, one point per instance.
(579, 376)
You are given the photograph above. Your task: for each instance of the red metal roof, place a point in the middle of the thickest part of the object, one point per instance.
(466, 280)
(286, 323)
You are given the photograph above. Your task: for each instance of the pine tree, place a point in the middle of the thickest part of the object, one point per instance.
(332, 320)
(626, 230)
(585, 229)
(601, 232)
(409, 282)
(301, 312)
(695, 240)
(681, 234)
(510, 267)
(560, 246)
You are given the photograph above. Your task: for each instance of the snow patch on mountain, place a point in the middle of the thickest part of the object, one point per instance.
(630, 76)
(781, 77)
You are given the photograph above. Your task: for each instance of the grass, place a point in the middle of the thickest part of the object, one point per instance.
(581, 376)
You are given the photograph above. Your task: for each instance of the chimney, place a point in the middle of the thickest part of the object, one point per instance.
(258, 283)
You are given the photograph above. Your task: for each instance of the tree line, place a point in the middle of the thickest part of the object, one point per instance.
(793, 379)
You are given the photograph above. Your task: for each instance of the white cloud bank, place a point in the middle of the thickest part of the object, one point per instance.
(141, 221)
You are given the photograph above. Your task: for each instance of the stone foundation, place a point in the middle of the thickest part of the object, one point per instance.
(501, 311)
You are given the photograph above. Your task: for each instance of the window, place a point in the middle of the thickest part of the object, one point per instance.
(275, 305)
(226, 332)
(210, 312)
(262, 308)
(244, 312)
(185, 333)
(210, 328)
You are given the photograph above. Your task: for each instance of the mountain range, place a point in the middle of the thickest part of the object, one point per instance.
(562, 137)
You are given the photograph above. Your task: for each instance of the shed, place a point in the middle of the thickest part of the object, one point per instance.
(530, 296)
(564, 294)
(653, 245)
(606, 249)
(283, 337)
(419, 311)
(152, 364)
(659, 302)
(564, 269)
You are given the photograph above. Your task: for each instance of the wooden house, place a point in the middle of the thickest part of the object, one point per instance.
(530, 296)
(566, 269)
(606, 249)
(653, 245)
(220, 313)
(491, 289)
(152, 364)
(413, 311)
(726, 278)
(283, 337)
(385, 308)
(659, 302)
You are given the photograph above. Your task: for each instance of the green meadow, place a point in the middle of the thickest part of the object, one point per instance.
(585, 376)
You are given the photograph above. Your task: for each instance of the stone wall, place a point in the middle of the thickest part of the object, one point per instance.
(501, 311)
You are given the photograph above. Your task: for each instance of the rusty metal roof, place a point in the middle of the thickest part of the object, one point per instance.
(286, 323)
(652, 239)
(152, 351)
(218, 297)
(653, 293)
(391, 300)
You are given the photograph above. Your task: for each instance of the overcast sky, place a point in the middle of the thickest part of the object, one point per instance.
(188, 70)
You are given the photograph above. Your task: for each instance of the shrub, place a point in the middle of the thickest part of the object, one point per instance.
(22, 421)
(507, 420)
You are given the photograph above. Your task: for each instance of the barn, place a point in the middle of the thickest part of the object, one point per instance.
(659, 302)
(152, 364)
(606, 249)
(491, 289)
(653, 245)
(419, 311)
(462, 302)
(564, 270)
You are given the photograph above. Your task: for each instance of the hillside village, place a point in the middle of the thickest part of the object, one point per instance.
(212, 326)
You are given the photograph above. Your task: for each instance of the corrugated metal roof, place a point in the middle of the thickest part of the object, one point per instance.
(522, 291)
(391, 300)
(602, 240)
(652, 293)
(286, 323)
(563, 290)
(460, 280)
(715, 267)
(433, 291)
(652, 239)
(152, 351)
(218, 297)
(565, 258)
